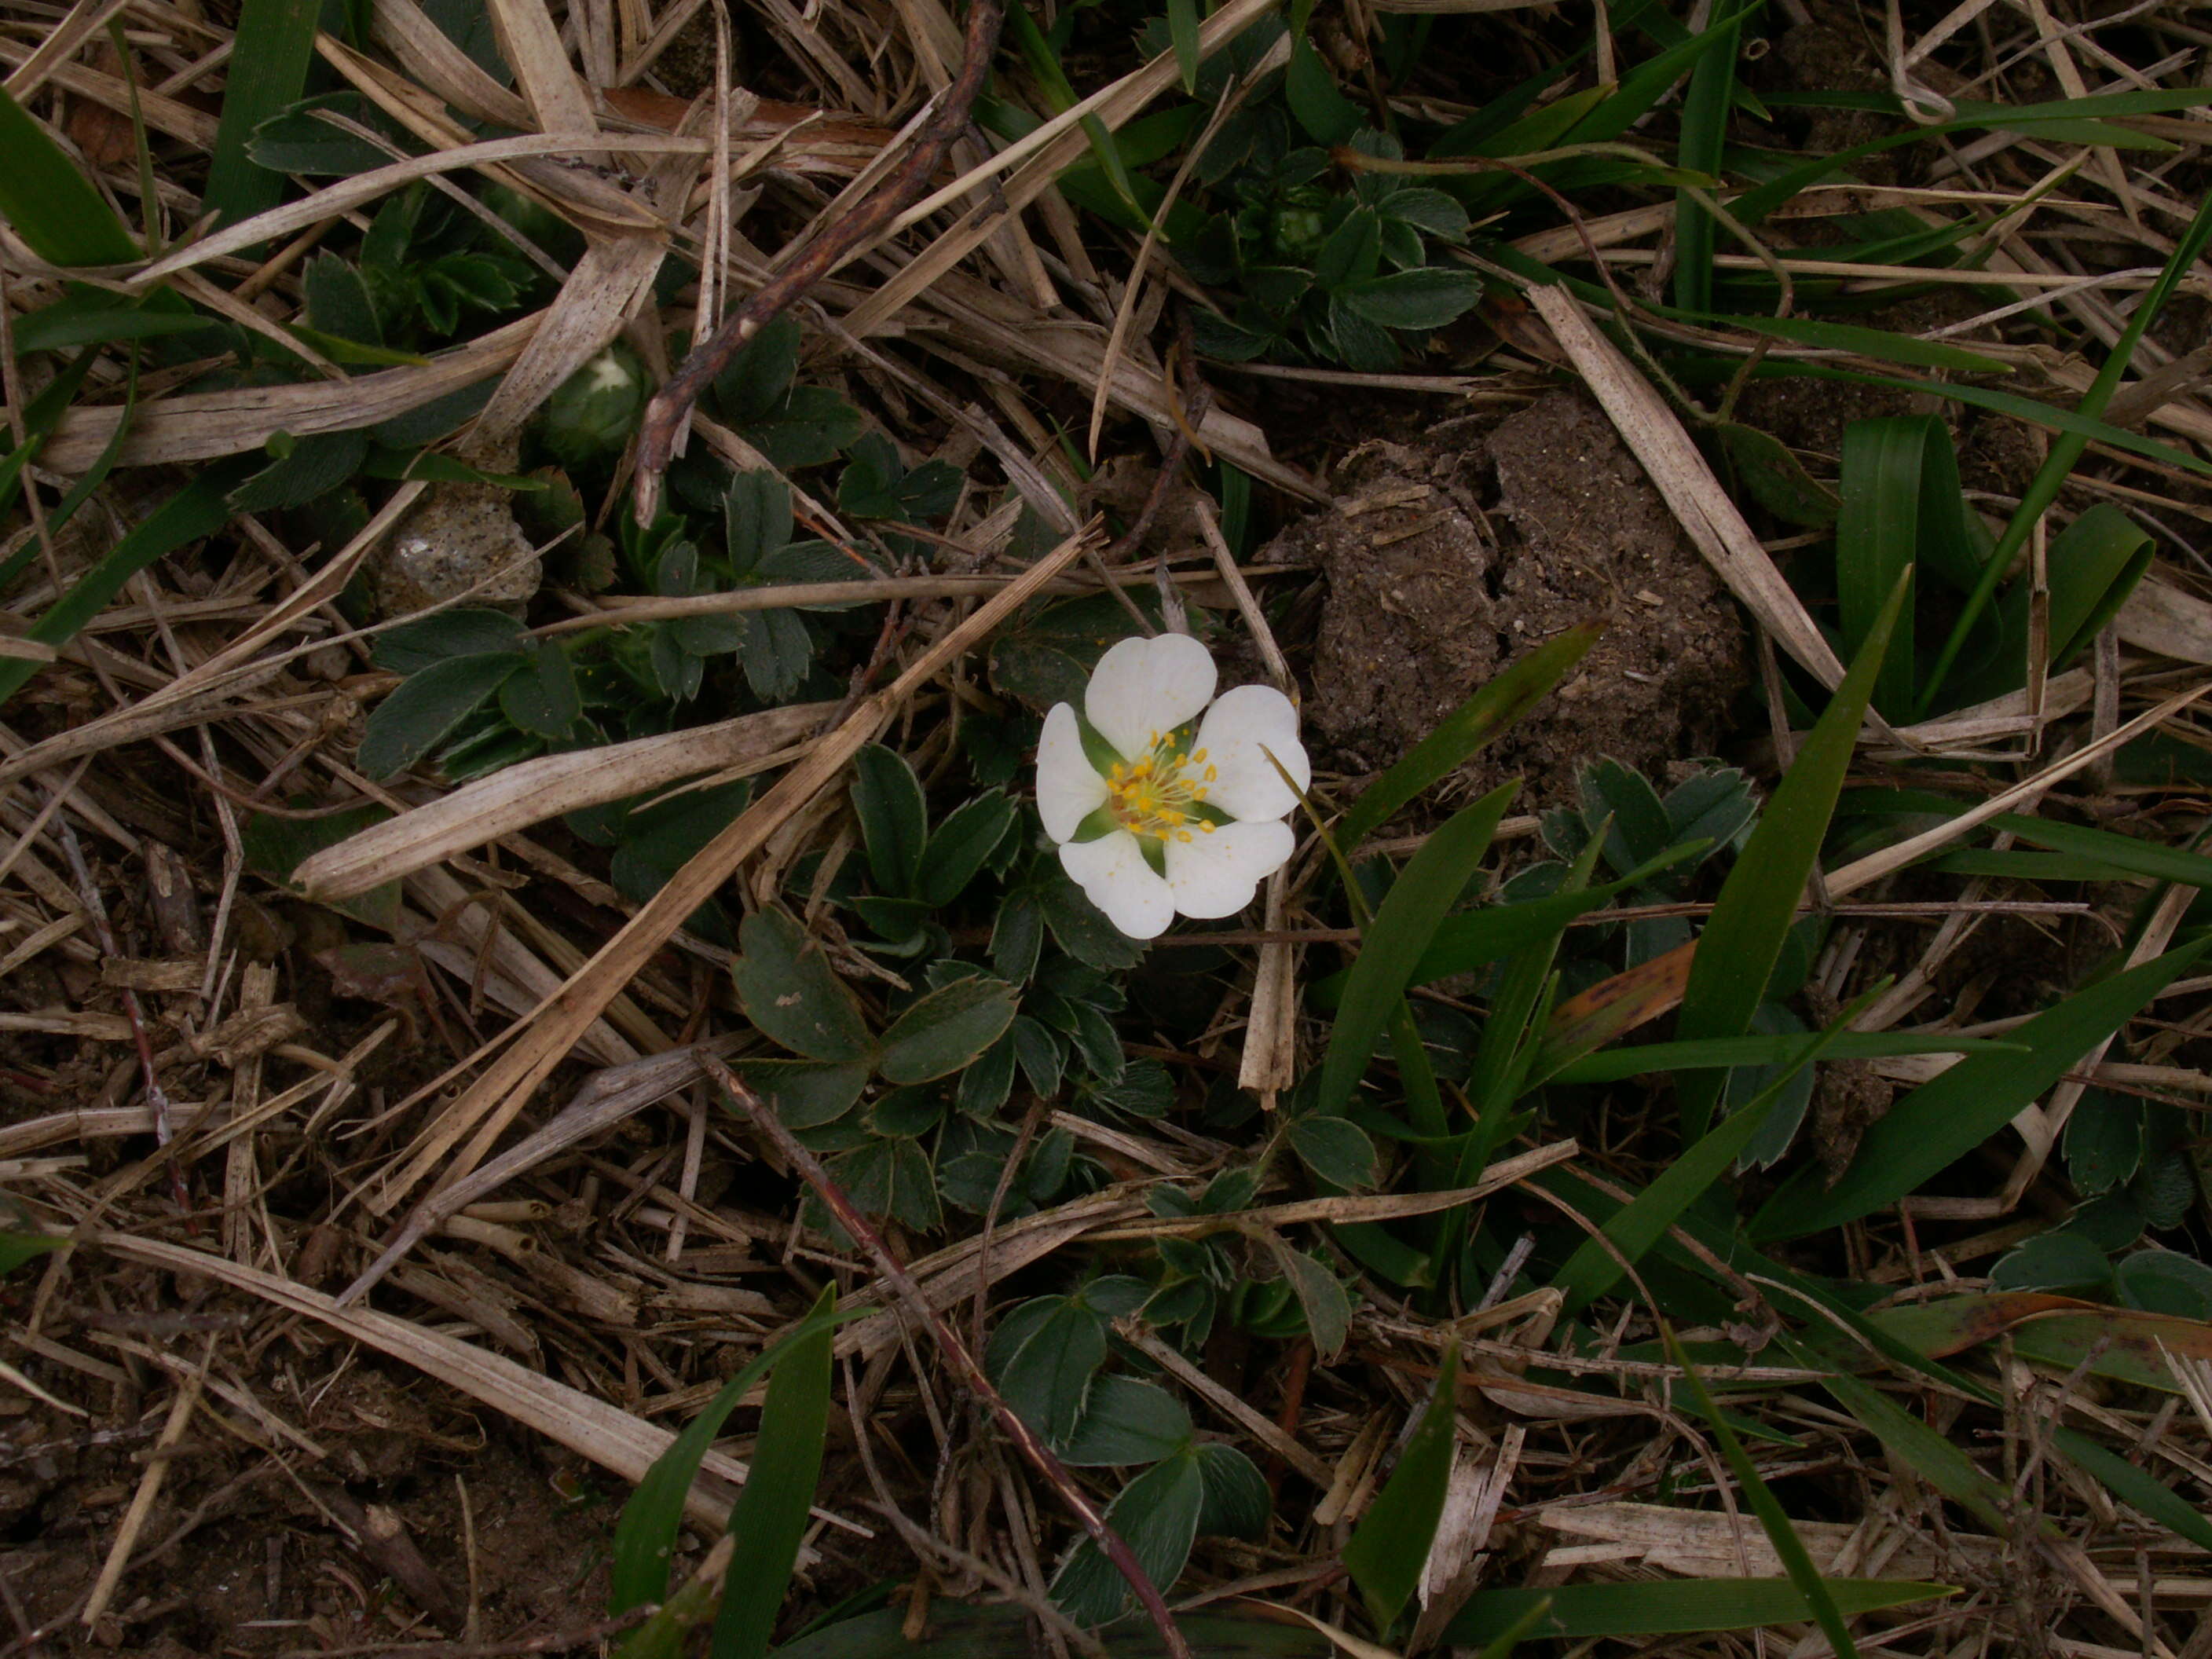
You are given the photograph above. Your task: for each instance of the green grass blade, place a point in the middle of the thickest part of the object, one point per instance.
(770, 1516)
(1920, 1448)
(1482, 717)
(1650, 1059)
(198, 510)
(1878, 541)
(2136, 1488)
(1431, 883)
(646, 1534)
(1672, 1606)
(1475, 939)
(59, 515)
(1491, 1086)
(40, 416)
(1756, 203)
(2058, 464)
(52, 205)
(1758, 904)
(1706, 109)
(1950, 1114)
(1593, 1269)
(1390, 1545)
(1779, 1533)
(1877, 343)
(1521, 1630)
(2109, 849)
(1183, 32)
(267, 74)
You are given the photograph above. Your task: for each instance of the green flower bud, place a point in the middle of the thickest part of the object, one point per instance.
(589, 417)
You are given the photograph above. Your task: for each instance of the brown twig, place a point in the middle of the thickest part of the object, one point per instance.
(1110, 1543)
(897, 191)
(157, 1098)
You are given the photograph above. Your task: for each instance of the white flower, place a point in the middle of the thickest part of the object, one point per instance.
(1152, 820)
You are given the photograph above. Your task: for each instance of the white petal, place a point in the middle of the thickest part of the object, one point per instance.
(1241, 722)
(1069, 790)
(1216, 875)
(1113, 876)
(1143, 689)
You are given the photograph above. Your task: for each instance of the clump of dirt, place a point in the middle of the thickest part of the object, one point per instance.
(1445, 564)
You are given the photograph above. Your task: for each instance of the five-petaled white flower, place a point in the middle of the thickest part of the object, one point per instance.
(1152, 819)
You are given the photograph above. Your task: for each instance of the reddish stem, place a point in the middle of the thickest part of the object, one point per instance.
(1026, 1440)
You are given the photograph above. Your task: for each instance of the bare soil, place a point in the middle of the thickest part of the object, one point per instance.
(1446, 561)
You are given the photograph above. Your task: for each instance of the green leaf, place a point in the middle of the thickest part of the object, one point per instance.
(890, 1176)
(1758, 904)
(753, 386)
(1672, 1606)
(275, 846)
(2164, 1282)
(299, 139)
(1950, 1114)
(313, 465)
(1322, 1297)
(1389, 1547)
(947, 1029)
(1335, 1149)
(2104, 1141)
(756, 518)
(1156, 1516)
(1779, 1533)
(894, 818)
(412, 647)
(1328, 116)
(1125, 1422)
(788, 990)
(1041, 1359)
(646, 1534)
(1432, 879)
(1774, 477)
(1237, 1502)
(806, 1094)
(1461, 733)
(815, 426)
(338, 302)
(1080, 928)
(2053, 1261)
(769, 1518)
(428, 707)
(956, 850)
(1048, 659)
(52, 206)
(267, 72)
(1424, 299)
(543, 699)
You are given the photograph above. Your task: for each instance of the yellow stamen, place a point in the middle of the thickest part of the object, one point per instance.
(1156, 793)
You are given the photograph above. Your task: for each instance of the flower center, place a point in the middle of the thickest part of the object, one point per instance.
(1160, 795)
